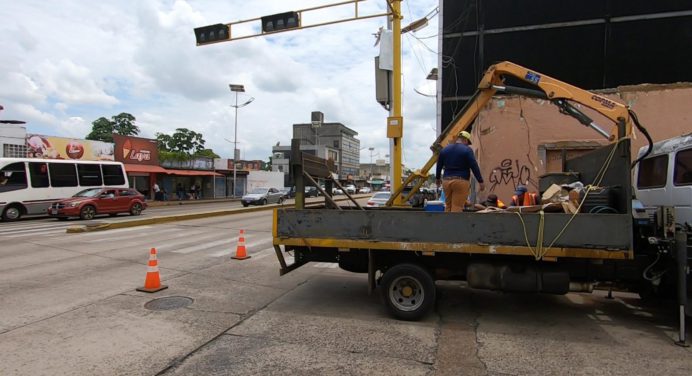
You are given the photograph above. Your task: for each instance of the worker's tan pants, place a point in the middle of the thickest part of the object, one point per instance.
(456, 194)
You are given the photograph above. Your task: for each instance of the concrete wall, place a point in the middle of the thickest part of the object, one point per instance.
(12, 134)
(519, 139)
(264, 179)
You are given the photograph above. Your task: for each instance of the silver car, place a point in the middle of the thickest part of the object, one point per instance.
(263, 196)
(379, 199)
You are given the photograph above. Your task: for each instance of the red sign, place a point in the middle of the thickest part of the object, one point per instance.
(136, 150)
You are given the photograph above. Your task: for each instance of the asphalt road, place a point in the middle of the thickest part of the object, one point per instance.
(68, 306)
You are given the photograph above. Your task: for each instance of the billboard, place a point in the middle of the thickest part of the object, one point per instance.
(136, 150)
(39, 146)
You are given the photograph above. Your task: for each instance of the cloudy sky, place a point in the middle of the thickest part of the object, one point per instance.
(65, 63)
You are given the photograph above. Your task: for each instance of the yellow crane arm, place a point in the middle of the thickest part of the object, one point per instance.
(551, 89)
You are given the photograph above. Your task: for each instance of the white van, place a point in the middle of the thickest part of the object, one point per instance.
(664, 178)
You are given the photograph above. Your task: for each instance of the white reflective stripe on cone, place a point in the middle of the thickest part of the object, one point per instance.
(151, 269)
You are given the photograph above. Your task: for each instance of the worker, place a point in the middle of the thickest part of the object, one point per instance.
(458, 161)
(522, 197)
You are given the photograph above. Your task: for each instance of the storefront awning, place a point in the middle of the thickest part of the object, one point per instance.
(129, 167)
(193, 173)
(160, 170)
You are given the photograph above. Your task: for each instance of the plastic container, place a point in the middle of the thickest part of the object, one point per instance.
(435, 206)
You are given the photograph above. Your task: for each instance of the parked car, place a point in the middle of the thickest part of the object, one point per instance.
(311, 191)
(337, 191)
(351, 189)
(379, 199)
(91, 202)
(364, 190)
(288, 192)
(262, 196)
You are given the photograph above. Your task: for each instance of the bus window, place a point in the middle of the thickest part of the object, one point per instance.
(62, 175)
(89, 175)
(683, 168)
(113, 175)
(38, 171)
(13, 177)
(653, 172)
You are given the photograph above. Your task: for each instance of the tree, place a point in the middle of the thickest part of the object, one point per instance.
(268, 166)
(123, 124)
(207, 153)
(183, 145)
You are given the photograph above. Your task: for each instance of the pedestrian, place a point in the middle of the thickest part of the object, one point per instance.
(193, 191)
(458, 162)
(180, 191)
(157, 192)
(522, 197)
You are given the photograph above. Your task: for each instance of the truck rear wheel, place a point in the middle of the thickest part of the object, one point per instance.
(409, 291)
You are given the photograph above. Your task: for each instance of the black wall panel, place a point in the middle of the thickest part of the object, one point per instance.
(593, 44)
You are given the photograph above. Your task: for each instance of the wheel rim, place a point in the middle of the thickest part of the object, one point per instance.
(136, 209)
(406, 293)
(89, 212)
(12, 213)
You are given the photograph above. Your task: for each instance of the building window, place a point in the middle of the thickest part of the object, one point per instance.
(336, 144)
(14, 151)
(653, 172)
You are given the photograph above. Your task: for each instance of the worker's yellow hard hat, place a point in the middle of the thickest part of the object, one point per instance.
(466, 135)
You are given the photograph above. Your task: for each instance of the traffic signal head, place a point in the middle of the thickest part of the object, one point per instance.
(212, 33)
(281, 21)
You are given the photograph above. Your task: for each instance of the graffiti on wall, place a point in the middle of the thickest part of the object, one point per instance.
(509, 173)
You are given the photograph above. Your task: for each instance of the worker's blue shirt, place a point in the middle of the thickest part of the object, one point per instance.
(458, 160)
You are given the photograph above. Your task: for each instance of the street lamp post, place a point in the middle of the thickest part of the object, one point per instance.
(237, 89)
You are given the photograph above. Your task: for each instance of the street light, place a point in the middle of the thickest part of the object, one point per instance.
(237, 89)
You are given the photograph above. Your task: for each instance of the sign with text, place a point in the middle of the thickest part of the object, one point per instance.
(136, 150)
(39, 146)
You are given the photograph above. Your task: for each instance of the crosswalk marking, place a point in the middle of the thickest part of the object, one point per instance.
(43, 233)
(117, 237)
(326, 265)
(202, 246)
(115, 231)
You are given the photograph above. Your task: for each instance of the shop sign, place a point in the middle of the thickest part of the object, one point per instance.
(39, 146)
(136, 150)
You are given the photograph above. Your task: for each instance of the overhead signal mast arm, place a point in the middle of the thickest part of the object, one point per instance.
(276, 23)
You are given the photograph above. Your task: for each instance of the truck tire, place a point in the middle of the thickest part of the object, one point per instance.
(409, 291)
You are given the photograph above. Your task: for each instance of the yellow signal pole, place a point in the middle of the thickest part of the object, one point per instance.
(395, 122)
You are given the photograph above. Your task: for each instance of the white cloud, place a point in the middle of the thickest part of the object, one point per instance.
(65, 66)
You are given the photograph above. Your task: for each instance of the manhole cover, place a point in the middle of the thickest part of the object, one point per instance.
(167, 303)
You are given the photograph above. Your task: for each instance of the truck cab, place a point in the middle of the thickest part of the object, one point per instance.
(664, 177)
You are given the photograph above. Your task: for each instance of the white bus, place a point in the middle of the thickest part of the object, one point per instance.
(29, 185)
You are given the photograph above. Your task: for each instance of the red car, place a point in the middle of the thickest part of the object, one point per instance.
(91, 202)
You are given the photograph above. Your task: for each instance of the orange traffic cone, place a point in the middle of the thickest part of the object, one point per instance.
(153, 282)
(240, 252)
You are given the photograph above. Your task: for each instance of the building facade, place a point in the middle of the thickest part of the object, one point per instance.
(331, 141)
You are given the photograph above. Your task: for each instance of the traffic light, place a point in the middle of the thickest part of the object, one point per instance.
(212, 33)
(281, 21)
